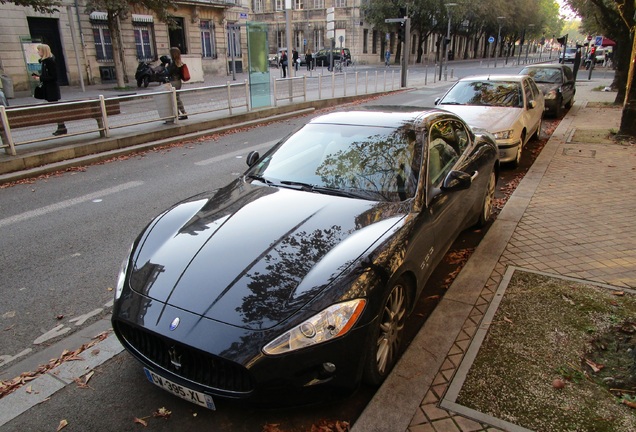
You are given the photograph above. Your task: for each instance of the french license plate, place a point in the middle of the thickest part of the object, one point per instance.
(183, 392)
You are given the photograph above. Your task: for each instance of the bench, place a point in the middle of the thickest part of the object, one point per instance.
(36, 115)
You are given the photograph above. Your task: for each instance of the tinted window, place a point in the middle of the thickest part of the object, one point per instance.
(442, 151)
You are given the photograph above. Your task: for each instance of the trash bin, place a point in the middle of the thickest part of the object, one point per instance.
(7, 86)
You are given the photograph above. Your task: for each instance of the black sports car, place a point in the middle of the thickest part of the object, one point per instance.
(294, 281)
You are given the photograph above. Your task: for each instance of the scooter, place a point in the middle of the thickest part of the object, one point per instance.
(146, 73)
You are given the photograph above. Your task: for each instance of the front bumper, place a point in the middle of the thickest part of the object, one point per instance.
(508, 150)
(227, 362)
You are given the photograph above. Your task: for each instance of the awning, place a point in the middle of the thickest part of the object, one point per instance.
(608, 42)
(142, 18)
(99, 16)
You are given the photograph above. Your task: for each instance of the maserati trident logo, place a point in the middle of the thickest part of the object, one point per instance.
(175, 323)
(175, 357)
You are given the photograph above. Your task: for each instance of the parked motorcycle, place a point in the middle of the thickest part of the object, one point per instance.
(146, 73)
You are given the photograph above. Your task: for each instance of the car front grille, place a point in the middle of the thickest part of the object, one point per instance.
(194, 365)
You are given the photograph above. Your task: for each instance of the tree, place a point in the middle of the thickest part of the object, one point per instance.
(45, 6)
(616, 19)
(118, 10)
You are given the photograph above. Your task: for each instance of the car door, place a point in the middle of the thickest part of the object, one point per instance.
(532, 114)
(568, 85)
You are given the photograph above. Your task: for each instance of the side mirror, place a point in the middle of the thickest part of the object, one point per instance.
(532, 104)
(252, 157)
(457, 180)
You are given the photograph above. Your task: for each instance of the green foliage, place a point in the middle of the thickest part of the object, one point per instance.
(45, 6)
(121, 8)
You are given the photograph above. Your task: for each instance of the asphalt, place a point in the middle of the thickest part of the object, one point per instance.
(570, 216)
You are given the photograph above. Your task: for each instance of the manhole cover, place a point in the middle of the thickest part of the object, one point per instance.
(569, 151)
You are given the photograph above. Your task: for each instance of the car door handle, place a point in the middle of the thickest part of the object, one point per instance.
(474, 176)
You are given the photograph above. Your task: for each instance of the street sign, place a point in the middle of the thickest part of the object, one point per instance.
(598, 40)
(589, 37)
(242, 15)
(491, 39)
(394, 20)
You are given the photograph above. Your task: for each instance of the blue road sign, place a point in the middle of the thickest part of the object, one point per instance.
(491, 39)
(598, 40)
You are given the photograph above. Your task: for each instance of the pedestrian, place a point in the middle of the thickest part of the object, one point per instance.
(48, 78)
(387, 57)
(175, 74)
(295, 59)
(308, 59)
(283, 63)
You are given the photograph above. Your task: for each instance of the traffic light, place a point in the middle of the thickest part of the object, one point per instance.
(402, 32)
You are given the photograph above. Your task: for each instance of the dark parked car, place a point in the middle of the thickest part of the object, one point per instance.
(339, 54)
(294, 281)
(556, 81)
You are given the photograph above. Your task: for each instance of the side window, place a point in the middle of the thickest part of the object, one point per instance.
(528, 91)
(463, 137)
(569, 76)
(442, 151)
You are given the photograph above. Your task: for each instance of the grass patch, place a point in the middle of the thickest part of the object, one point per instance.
(559, 356)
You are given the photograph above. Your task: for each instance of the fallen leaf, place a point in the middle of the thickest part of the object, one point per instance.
(95, 351)
(62, 425)
(508, 320)
(140, 421)
(29, 390)
(59, 317)
(595, 366)
(618, 293)
(558, 383)
(162, 412)
(629, 403)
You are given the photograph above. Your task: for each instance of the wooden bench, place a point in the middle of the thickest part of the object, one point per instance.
(36, 115)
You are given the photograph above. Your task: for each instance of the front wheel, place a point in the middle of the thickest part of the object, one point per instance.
(146, 81)
(386, 341)
(517, 160)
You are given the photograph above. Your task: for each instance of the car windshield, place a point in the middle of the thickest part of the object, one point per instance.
(485, 93)
(377, 163)
(547, 75)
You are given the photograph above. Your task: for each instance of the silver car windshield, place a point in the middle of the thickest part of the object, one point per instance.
(485, 93)
(377, 163)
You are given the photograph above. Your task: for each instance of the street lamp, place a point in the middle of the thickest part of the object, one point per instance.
(448, 6)
(498, 39)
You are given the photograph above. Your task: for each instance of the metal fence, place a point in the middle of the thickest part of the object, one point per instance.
(30, 124)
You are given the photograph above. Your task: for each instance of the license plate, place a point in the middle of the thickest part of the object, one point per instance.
(183, 392)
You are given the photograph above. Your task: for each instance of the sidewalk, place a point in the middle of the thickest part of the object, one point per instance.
(571, 215)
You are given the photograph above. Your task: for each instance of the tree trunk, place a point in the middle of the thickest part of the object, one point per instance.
(115, 34)
(628, 119)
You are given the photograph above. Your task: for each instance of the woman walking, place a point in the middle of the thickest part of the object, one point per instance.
(176, 76)
(48, 78)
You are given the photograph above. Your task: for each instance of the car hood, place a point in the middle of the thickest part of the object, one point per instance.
(251, 256)
(493, 119)
(546, 87)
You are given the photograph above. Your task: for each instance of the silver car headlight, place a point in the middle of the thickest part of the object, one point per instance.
(507, 134)
(552, 94)
(331, 323)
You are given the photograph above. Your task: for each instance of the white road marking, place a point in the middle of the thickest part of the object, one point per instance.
(6, 359)
(82, 318)
(237, 153)
(53, 333)
(68, 203)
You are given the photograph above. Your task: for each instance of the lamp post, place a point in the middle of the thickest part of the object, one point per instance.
(498, 39)
(448, 6)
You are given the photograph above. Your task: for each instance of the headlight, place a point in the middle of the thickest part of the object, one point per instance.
(333, 322)
(121, 277)
(503, 134)
(552, 94)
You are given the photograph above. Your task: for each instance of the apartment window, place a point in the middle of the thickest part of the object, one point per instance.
(234, 42)
(298, 4)
(365, 41)
(280, 5)
(340, 3)
(257, 6)
(299, 39)
(319, 4)
(103, 42)
(143, 41)
(319, 38)
(208, 45)
(280, 39)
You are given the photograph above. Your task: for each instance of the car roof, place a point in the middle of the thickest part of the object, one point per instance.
(547, 66)
(495, 77)
(382, 116)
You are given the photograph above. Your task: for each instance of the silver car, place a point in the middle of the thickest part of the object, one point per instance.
(510, 107)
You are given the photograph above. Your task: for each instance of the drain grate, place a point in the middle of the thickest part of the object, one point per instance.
(570, 151)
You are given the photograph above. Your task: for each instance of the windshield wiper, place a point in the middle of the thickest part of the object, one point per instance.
(261, 179)
(323, 190)
(451, 103)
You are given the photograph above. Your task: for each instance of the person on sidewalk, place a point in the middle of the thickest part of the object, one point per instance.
(176, 78)
(387, 57)
(48, 78)
(296, 59)
(283, 63)
(308, 58)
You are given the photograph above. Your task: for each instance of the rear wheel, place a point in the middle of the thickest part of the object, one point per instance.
(146, 81)
(489, 199)
(537, 133)
(385, 345)
(139, 83)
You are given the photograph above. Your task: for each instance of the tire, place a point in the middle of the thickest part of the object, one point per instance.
(537, 133)
(139, 83)
(385, 344)
(146, 81)
(515, 163)
(487, 203)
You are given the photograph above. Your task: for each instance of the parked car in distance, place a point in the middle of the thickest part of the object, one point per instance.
(293, 282)
(557, 83)
(509, 106)
(339, 54)
(568, 57)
